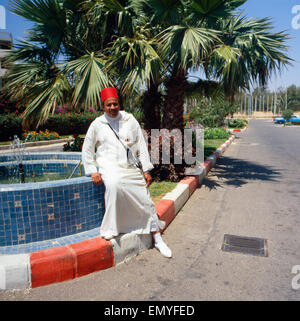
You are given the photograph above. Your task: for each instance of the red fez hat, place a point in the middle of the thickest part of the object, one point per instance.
(108, 92)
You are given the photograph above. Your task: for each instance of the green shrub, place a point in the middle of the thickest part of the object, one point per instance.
(211, 113)
(64, 124)
(10, 125)
(287, 114)
(139, 115)
(237, 123)
(75, 146)
(69, 123)
(216, 133)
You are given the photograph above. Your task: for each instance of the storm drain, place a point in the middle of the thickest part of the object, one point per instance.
(245, 245)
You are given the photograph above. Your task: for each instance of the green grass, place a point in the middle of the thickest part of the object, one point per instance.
(210, 145)
(159, 189)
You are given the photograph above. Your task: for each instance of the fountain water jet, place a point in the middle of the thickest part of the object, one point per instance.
(18, 150)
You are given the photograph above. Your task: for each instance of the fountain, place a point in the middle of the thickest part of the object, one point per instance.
(18, 150)
(49, 211)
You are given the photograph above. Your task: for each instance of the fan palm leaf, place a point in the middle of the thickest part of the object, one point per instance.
(259, 53)
(49, 17)
(187, 46)
(28, 51)
(207, 13)
(161, 12)
(136, 60)
(90, 78)
(53, 92)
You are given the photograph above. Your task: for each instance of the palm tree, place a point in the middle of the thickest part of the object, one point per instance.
(259, 54)
(188, 42)
(183, 44)
(60, 61)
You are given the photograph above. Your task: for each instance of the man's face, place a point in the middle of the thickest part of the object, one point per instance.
(111, 106)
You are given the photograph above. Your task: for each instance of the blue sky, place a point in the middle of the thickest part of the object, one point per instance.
(280, 11)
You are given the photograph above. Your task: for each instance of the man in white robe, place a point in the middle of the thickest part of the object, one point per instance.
(128, 205)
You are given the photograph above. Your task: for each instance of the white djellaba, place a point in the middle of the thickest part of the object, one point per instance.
(128, 205)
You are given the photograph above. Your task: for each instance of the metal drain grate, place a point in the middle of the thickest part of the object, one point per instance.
(246, 245)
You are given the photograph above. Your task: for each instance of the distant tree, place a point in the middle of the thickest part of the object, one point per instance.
(287, 114)
(293, 93)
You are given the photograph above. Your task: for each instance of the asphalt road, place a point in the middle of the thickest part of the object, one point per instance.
(253, 191)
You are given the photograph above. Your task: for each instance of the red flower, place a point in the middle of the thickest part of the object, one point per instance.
(75, 135)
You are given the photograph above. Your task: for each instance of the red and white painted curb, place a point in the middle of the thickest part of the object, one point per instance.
(237, 130)
(71, 261)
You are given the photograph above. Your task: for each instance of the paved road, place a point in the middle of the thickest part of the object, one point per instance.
(253, 191)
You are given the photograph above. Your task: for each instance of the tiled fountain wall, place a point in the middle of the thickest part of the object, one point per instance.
(34, 212)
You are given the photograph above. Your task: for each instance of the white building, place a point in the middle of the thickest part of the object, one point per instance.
(6, 43)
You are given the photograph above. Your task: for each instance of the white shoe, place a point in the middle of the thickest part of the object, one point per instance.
(161, 245)
(163, 249)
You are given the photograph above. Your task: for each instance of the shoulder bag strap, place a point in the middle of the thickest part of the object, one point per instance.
(137, 162)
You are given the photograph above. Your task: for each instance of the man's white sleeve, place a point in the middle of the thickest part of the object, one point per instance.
(88, 152)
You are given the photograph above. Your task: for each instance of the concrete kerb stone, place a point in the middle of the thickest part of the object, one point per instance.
(64, 263)
(128, 245)
(213, 159)
(180, 194)
(14, 272)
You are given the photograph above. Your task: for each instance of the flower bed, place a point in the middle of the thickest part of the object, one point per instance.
(33, 136)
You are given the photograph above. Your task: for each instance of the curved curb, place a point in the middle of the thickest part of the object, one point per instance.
(40, 143)
(75, 260)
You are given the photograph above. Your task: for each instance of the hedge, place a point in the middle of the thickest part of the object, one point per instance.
(70, 123)
(65, 124)
(10, 125)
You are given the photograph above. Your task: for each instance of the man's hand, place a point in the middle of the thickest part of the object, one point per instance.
(148, 179)
(97, 179)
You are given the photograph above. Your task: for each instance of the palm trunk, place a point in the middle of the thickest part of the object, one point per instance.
(174, 105)
(173, 119)
(151, 106)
